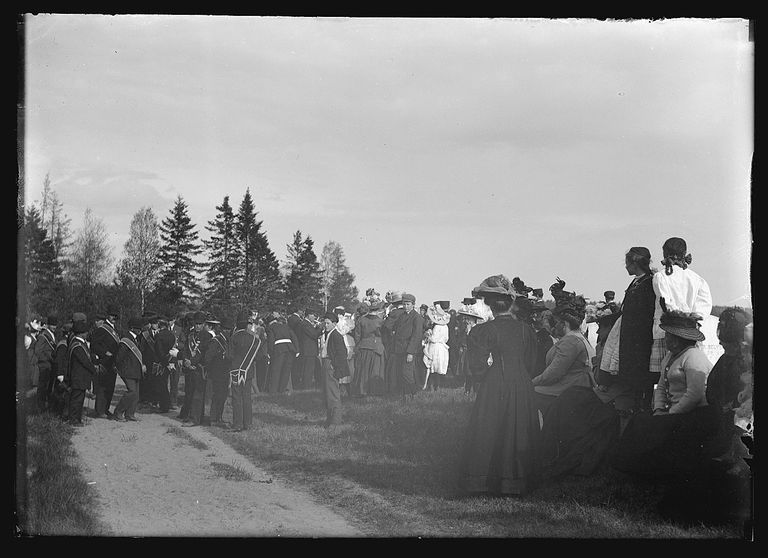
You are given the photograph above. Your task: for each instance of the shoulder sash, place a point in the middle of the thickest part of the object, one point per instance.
(133, 348)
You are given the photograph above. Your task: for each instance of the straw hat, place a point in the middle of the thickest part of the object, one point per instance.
(682, 324)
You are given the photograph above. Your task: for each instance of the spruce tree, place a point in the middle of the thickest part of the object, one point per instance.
(303, 276)
(260, 273)
(43, 274)
(224, 255)
(179, 247)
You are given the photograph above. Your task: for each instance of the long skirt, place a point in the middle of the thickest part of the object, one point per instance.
(610, 358)
(501, 454)
(369, 373)
(662, 445)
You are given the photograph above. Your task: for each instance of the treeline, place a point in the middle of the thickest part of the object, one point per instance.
(165, 266)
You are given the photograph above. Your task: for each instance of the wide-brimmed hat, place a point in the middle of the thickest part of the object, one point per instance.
(468, 301)
(438, 316)
(495, 284)
(444, 304)
(471, 310)
(682, 324)
(394, 296)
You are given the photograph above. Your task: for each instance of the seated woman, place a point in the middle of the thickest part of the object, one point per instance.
(569, 361)
(669, 441)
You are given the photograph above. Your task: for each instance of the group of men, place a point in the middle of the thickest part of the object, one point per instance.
(78, 359)
(216, 357)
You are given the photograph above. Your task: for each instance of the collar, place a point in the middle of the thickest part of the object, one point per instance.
(110, 324)
(77, 337)
(132, 333)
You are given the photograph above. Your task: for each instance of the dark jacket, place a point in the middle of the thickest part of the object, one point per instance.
(45, 347)
(81, 367)
(165, 340)
(367, 333)
(307, 336)
(636, 335)
(216, 359)
(147, 348)
(242, 349)
(277, 332)
(127, 363)
(337, 352)
(104, 339)
(407, 333)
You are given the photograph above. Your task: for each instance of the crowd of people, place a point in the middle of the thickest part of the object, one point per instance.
(644, 399)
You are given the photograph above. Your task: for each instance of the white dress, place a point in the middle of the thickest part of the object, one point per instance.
(436, 350)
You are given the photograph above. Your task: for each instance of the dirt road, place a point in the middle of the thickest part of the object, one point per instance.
(155, 478)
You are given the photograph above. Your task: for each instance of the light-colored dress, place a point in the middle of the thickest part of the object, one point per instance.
(436, 350)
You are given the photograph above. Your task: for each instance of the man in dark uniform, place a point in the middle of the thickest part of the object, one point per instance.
(45, 348)
(60, 395)
(243, 348)
(307, 331)
(81, 368)
(408, 332)
(104, 341)
(197, 408)
(165, 351)
(189, 351)
(147, 392)
(216, 362)
(129, 364)
(281, 345)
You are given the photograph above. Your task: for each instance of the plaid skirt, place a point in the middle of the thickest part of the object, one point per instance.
(658, 350)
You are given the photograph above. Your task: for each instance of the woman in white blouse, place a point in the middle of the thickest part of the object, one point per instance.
(679, 289)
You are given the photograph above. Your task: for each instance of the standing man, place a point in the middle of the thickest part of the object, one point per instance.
(281, 345)
(81, 368)
(217, 363)
(255, 325)
(197, 406)
(179, 334)
(190, 350)
(147, 393)
(45, 349)
(243, 348)
(393, 313)
(60, 395)
(165, 351)
(307, 331)
(104, 343)
(333, 358)
(408, 333)
(129, 364)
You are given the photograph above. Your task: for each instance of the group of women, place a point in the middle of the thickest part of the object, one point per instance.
(648, 402)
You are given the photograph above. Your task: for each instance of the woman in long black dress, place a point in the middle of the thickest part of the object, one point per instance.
(501, 451)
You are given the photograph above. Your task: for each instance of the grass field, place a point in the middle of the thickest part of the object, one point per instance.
(391, 468)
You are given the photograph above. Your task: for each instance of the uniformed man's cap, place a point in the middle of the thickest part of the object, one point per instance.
(408, 297)
(79, 317)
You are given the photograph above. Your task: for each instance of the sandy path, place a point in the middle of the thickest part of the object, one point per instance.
(153, 482)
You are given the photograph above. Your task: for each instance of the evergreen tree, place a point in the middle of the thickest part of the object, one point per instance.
(223, 267)
(259, 269)
(303, 275)
(178, 249)
(338, 282)
(139, 266)
(42, 270)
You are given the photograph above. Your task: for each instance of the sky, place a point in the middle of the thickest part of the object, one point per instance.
(436, 151)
